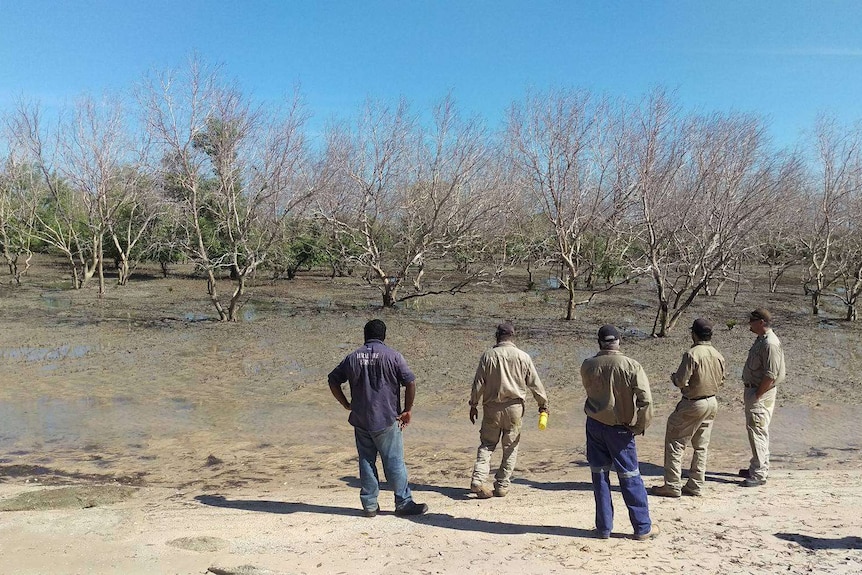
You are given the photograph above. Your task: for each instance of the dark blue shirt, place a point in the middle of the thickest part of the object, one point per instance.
(376, 373)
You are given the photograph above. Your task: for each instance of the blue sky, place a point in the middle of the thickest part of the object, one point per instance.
(784, 60)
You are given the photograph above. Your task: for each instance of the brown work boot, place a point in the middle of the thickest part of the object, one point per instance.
(664, 491)
(651, 534)
(481, 491)
(690, 491)
(501, 491)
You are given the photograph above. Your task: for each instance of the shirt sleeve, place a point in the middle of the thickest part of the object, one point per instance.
(478, 383)
(643, 400)
(684, 371)
(771, 358)
(339, 375)
(405, 374)
(534, 384)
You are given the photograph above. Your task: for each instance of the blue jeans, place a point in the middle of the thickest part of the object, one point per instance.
(389, 445)
(615, 445)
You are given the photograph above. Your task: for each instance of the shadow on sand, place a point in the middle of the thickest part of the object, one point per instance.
(819, 543)
(441, 520)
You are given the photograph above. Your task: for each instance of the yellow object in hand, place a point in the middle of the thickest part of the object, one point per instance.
(543, 420)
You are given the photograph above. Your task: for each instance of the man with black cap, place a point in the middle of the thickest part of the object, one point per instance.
(764, 370)
(377, 373)
(504, 376)
(700, 373)
(618, 407)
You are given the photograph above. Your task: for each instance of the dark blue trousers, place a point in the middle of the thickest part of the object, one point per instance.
(608, 446)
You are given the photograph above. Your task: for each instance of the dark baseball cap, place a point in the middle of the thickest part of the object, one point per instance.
(608, 333)
(702, 327)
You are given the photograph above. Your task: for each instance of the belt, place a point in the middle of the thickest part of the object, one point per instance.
(699, 398)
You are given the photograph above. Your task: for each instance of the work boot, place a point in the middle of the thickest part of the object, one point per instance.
(651, 534)
(664, 491)
(481, 491)
(371, 512)
(500, 491)
(752, 482)
(686, 490)
(412, 508)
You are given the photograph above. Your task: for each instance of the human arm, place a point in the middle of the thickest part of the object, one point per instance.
(771, 357)
(534, 384)
(337, 392)
(476, 390)
(409, 397)
(683, 373)
(336, 379)
(643, 401)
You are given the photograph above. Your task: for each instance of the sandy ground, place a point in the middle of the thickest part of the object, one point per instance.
(135, 439)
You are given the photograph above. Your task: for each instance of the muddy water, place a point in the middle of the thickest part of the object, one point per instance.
(145, 386)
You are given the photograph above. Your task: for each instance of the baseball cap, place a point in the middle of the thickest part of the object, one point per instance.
(608, 333)
(702, 327)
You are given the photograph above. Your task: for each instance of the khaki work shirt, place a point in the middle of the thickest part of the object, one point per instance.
(504, 375)
(701, 371)
(618, 391)
(765, 359)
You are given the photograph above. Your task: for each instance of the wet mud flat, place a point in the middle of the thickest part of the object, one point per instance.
(140, 386)
(162, 438)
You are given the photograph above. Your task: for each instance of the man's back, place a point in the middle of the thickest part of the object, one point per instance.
(617, 389)
(375, 372)
(505, 373)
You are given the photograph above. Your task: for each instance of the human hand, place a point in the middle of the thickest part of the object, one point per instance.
(403, 419)
(474, 413)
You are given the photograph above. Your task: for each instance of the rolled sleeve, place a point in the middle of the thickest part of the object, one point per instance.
(771, 358)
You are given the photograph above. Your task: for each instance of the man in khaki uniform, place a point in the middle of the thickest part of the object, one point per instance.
(504, 375)
(700, 373)
(764, 371)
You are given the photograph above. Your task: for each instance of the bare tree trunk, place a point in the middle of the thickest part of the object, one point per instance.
(570, 304)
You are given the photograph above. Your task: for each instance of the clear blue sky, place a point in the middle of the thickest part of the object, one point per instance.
(786, 60)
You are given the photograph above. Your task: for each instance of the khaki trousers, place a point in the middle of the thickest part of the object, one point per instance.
(690, 421)
(499, 422)
(758, 414)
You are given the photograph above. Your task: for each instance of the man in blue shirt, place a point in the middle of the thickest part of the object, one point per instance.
(376, 374)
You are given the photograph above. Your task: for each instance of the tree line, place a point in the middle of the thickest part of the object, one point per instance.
(187, 168)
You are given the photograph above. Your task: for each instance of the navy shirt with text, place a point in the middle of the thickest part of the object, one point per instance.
(376, 373)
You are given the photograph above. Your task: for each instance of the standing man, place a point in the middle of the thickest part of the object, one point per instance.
(504, 375)
(618, 407)
(376, 374)
(764, 370)
(700, 373)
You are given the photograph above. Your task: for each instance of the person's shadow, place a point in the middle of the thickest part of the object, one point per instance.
(818, 543)
(453, 493)
(442, 520)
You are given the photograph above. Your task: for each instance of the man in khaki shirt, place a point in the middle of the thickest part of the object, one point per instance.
(700, 373)
(504, 375)
(618, 407)
(764, 371)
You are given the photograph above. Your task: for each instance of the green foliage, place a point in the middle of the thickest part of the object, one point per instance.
(303, 245)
